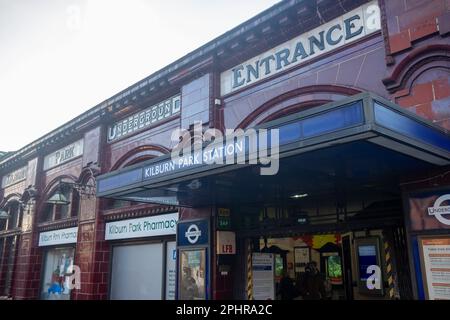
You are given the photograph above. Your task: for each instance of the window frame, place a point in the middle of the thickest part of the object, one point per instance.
(73, 208)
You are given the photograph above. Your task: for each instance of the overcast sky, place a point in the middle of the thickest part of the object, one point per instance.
(59, 58)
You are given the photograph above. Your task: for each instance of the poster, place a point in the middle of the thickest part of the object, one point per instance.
(436, 262)
(301, 258)
(263, 276)
(193, 274)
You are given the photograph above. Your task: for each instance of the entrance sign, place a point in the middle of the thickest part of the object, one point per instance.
(325, 38)
(263, 276)
(63, 155)
(436, 264)
(57, 237)
(161, 225)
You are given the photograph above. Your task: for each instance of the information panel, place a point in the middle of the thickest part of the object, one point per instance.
(436, 263)
(263, 276)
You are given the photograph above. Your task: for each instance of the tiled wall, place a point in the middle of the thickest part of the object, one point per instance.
(195, 101)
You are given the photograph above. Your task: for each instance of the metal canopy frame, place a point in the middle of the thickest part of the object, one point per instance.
(362, 117)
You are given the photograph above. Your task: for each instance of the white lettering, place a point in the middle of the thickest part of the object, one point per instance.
(336, 33)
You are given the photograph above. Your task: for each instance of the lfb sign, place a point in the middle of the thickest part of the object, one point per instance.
(226, 242)
(439, 211)
(193, 233)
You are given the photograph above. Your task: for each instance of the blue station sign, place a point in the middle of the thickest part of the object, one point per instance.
(193, 233)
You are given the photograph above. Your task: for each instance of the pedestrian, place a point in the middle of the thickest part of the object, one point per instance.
(311, 285)
(286, 288)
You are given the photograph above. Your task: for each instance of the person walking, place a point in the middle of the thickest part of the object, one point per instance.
(311, 286)
(286, 287)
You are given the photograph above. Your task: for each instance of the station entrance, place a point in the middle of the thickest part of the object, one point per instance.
(336, 200)
(293, 253)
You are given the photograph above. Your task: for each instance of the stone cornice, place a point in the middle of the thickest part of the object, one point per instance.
(60, 224)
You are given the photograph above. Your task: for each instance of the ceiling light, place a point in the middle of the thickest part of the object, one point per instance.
(298, 196)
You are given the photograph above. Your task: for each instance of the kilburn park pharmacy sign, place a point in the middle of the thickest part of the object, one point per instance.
(58, 237)
(153, 226)
(332, 35)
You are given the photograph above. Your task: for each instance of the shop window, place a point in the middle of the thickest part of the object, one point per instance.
(47, 212)
(58, 268)
(55, 212)
(145, 271)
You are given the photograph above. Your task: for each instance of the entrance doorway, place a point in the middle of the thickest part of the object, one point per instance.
(295, 256)
(354, 252)
(330, 266)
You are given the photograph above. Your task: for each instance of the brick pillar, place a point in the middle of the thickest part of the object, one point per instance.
(28, 268)
(84, 256)
(92, 254)
(27, 273)
(102, 260)
(3, 263)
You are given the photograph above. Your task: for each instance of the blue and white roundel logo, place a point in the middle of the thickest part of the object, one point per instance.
(193, 233)
(439, 211)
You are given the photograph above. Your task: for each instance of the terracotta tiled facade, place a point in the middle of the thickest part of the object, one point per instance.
(407, 62)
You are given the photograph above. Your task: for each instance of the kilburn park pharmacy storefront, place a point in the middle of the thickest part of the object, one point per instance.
(337, 153)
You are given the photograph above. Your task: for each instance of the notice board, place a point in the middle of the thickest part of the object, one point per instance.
(263, 276)
(435, 254)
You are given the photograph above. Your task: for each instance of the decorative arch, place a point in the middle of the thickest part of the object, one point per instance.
(51, 188)
(417, 62)
(11, 197)
(296, 100)
(87, 176)
(139, 154)
(14, 206)
(53, 185)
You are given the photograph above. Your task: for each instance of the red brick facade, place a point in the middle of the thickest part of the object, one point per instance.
(407, 62)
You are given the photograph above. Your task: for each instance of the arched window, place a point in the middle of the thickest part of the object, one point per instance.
(60, 211)
(15, 211)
